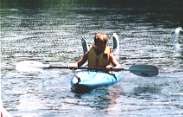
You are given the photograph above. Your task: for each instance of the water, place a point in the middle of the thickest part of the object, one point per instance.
(50, 32)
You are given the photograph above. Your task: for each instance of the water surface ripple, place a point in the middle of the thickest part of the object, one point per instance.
(53, 35)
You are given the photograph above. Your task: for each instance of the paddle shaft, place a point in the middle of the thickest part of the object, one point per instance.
(66, 67)
(86, 68)
(141, 70)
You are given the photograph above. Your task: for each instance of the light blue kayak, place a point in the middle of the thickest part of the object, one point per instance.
(84, 81)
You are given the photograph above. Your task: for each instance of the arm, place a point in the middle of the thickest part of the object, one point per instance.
(115, 63)
(80, 62)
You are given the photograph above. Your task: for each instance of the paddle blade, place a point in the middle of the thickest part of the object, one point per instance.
(144, 70)
(30, 66)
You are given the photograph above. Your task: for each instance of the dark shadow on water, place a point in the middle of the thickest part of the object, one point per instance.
(137, 4)
(148, 8)
(146, 92)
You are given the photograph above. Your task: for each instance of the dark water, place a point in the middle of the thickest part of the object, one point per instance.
(50, 31)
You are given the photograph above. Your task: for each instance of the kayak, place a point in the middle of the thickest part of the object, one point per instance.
(85, 81)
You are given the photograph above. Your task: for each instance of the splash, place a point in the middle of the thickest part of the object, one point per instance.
(178, 47)
(116, 45)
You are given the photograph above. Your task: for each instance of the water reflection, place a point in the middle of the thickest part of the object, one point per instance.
(104, 100)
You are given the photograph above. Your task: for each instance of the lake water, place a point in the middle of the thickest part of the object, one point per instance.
(50, 32)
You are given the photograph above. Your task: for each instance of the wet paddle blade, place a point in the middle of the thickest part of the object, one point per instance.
(144, 70)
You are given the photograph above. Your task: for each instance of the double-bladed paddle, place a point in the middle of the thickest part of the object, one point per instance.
(141, 70)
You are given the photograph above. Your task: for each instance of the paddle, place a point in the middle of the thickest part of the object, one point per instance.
(141, 70)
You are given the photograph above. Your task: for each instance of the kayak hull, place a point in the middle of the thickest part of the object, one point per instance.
(85, 81)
